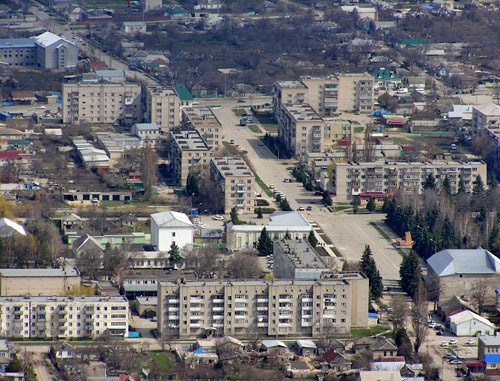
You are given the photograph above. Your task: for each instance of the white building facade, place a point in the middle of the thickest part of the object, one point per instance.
(169, 227)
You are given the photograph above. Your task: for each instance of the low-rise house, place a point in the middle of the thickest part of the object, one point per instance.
(337, 361)
(306, 347)
(147, 132)
(459, 269)
(379, 376)
(467, 323)
(492, 362)
(382, 347)
(387, 366)
(273, 345)
(412, 370)
(452, 306)
(134, 27)
(146, 306)
(487, 345)
(86, 243)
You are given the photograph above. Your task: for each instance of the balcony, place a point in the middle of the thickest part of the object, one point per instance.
(262, 300)
(216, 309)
(195, 308)
(173, 301)
(240, 185)
(262, 324)
(195, 325)
(240, 308)
(218, 317)
(19, 312)
(306, 300)
(195, 300)
(173, 317)
(240, 190)
(307, 308)
(218, 325)
(217, 300)
(306, 323)
(173, 309)
(262, 308)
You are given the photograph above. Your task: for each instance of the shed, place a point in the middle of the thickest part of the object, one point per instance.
(307, 347)
(147, 306)
(267, 345)
(467, 323)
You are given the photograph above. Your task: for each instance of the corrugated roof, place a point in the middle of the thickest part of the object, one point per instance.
(171, 219)
(490, 340)
(464, 316)
(306, 344)
(464, 261)
(48, 38)
(147, 127)
(183, 92)
(273, 343)
(110, 73)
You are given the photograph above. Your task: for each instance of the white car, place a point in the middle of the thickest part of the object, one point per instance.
(470, 341)
(218, 217)
(444, 344)
(41, 107)
(453, 342)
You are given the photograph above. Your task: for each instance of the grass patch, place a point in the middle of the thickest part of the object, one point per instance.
(340, 208)
(364, 332)
(266, 120)
(254, 128)
(270, 127)
(133, 305)
(381, 231)
(264, 187)
(162, 359)
(358, 130)
(239, 111)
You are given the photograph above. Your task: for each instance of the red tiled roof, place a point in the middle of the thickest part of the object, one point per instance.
(330, 355)
(23, 94)
(9, 155)
(97, 65)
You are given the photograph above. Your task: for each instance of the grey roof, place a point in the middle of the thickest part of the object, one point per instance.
(300, 253)
(147, 127)
(490, 340)
(27, 273)
(232, 166)
(139, 287)
(464, 261)
(211, 233)
(306, 344)
(110, 73)
(171, 219)
(4, 345)
(147, 300)
(17, 43)
(273, 343)
(60, 299)
(287, 219)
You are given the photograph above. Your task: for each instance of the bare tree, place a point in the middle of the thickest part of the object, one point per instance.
(419, 312)
(434, 289)
(478, 294)
(399, 312)
(244, 265)
(149, 168)
(203, 261)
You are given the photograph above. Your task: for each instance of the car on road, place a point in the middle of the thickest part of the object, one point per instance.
(449, 356)
(231, 141)
(455, 362)
(444, 344)
(260, 144)
(432, 324)
(309, 208)
(41, 107)
(300, 209)
(470, 341)
(271, 186)
(453, 342)
(218, 217)
(241, 101)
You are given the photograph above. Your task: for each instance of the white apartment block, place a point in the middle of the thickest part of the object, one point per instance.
(163, 107)
(301, 129)
(203, 120)
(99, 103)
(381, 178)
(63, 317)
(247, 308)
(236, 183)
(486, 122)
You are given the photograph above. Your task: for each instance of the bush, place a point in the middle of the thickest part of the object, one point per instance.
(267, 210)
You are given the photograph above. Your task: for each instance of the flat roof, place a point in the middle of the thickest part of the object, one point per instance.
(147, 127)
(291, 84)
(6, 43)
(300, 253)
(36, 273)
(436, 163)
(161, 90)
(232, 166)
(60, 299)
(303, 113)
(335, 280)
(147, 300)
(189, 140)
(201, 117)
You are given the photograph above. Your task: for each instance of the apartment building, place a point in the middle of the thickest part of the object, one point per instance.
(63, 317)
(381, 178)
(236, 183)
(301, 129)
(297, 259)
(99, 103)
(203, 120)
(163, 107)
(326, 95)
(15, 282)
(312, 308)
(188, 153)
(486, 122)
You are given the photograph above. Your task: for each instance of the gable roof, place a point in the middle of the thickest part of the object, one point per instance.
(171, 219)
(8, 228)
(273, 344)
(85, 239)
(464, 261)
(453, 304)
(48, 38)
(330, 355)
(183, 92)
(465, 316)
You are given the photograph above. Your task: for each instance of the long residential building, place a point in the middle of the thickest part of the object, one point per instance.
(63, 317)
(301, 129)
(382, 178)
(235, 182)
(326, 95)
(203, 120)
(188, 153)
(243, 308)
(163, 107)
(98, 103)
(486, 122)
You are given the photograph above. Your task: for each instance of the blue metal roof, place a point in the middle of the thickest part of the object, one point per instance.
(492, 358)
(17, 43)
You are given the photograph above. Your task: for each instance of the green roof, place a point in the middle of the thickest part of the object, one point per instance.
(183, 92)
(385, 75)
(416, 41)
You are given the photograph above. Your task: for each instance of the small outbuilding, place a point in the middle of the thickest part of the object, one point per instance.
(467, 323)
(306, 347)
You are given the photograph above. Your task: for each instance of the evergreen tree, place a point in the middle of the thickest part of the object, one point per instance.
(355, 204)
(259, 212)
(430, 182)
(285, 206)
(461, 186)
(409, 272)
(192, 188)
(370, 206)
(265, 243)
(327, 200)
(309, 186)
(312, 239)
(369, 268)
(174, 255)
(478, 187)
(234, 216)
(446, 186)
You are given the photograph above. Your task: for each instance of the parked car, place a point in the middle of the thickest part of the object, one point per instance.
(444, 344)
(231, 141)
(449, 356)
(309, 208)
(453, 342)
(470, 341)
(218, 217)
(300, 209)
(241, 101)
(456, 362)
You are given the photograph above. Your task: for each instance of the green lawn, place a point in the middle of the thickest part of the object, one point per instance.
(364, 332)
(358, 130)
(239, 111)
(162, 359)
(270, 127)
(254, 128)
(381, 231)
(264, 187)
(266, 120)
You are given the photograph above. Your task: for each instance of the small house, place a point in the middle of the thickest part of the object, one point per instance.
(467, 323)
(337, 361)
(306, 347)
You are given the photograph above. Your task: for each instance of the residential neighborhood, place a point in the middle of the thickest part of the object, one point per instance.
(249, 190)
